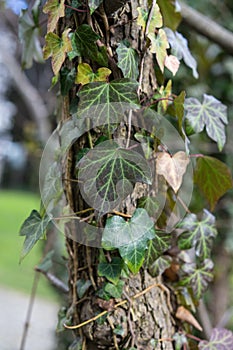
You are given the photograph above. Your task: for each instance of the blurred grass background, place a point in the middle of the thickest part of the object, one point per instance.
(15, 206)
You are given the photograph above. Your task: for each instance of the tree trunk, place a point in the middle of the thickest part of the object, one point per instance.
(146, 314)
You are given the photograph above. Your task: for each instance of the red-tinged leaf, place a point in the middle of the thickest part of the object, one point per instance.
(220, 339)
(55, 9)
(213, 178)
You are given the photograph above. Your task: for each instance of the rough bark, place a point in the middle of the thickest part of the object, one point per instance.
(150, 315)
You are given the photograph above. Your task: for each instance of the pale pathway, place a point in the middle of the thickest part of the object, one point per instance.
(13, 310)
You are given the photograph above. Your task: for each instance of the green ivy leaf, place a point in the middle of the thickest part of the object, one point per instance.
(198, 234)
(84, 44)
(213, 178)
(170, 13)
(128, 61)
(159, 46)
(63, 318)
(220, 339)
(52, 188)
(156, 19)
(150, 204)
(197, 278)
(82, 287)
(108, 101)
(211, 114)
(46, 263)
(111, 270)
(160, 265)
(70, 131)
(86, 75)
(57, 48)
(55, 9)
(118, 232)
(29, 37)
(33, 229)
(107, 174)
(67, 78)
(94, 4)
(114, 290)
(179, 48)
(180, 340)
(179, 108)
(157, 246)
(134, 253)
(75, 4)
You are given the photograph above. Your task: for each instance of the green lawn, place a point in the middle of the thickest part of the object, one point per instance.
(14, 208)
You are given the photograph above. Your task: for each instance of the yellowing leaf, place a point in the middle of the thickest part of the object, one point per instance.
(165, 93)
(172, 63)
(172, 168)
(57, 48)
(55, 9)
(86, 75)
(159, 46)
(156, 20)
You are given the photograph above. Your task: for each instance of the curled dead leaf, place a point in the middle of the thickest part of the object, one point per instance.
(172, 167)
(185, 315)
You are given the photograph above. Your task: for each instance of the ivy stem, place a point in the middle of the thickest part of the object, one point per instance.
(74, 9)
(193, 337)
(198, 155)
(123, 302)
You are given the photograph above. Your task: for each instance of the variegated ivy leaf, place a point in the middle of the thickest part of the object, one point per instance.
(29, 36)
(84, 44)
(108, 101)
(55, 9)
(179, 48)
(156, 19)
(157, 246)
(33, 229)
(107, 174)
(94, 4)
(120, 233)
(210, 114)
(197, 277)
(213, 178)
(198, 233)
(128, 61)
(57, 48)
(86, 75)
(160, 265)
(159, 46)
(220, 339)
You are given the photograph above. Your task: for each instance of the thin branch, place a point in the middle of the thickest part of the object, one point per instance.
(29, 311)
(207, 27)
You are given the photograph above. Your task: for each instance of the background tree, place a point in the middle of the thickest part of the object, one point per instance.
(122, 54)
